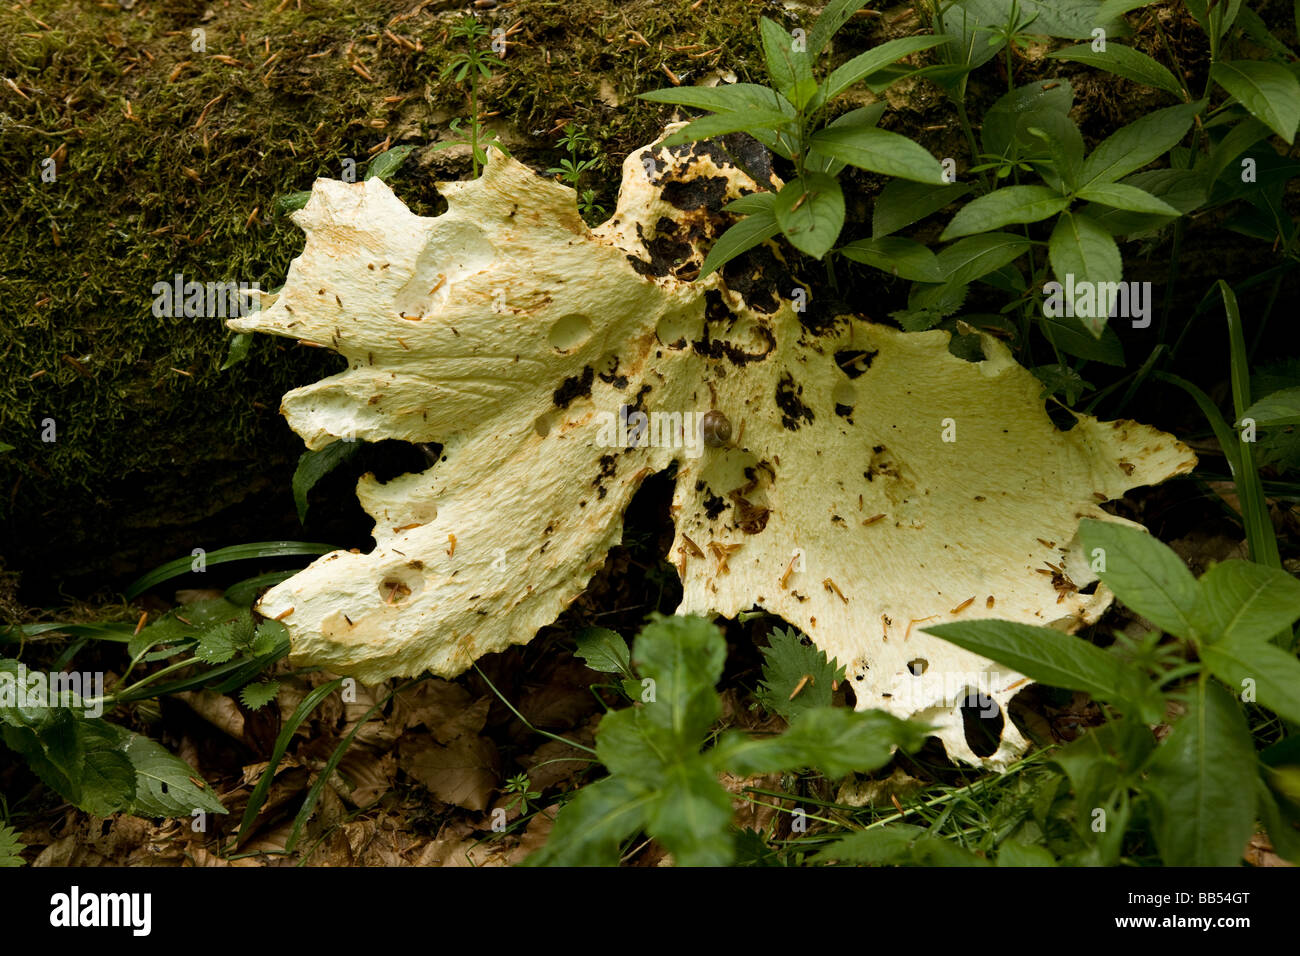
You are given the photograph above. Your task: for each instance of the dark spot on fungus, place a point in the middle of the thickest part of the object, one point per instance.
(577, 386)
(794, 413)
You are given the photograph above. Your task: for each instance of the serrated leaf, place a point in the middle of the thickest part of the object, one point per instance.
(11, 847)
(796, 676)
(315, 465)
(258, 695)
(1203, 809)
(217, 644)
(1011, 204)
(604, 650)
(1269, 91)
(165, 784)
(1122, 61)
(1144, 573)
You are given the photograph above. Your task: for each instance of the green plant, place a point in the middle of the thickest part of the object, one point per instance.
(663, 771)
(809, 209)
(474, 64)
(11, 847)
(1201, 790)
(572, 169)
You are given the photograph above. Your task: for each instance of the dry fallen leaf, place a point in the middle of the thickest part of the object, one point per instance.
(522, 341)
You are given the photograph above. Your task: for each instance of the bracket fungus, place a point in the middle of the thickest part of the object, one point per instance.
(858, 481)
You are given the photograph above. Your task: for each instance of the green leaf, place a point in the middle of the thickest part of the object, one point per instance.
(239, 345)
(755, 228)
(786, 66)
(1278, 408)
(244, 593)
(1006, 125)
(604, 650)
(1081, 248)
(1214, 16)
(790, 665)
(1144, 573)
(315, 465)
(879, 151)
(107, 780)
(1240, 600)
(1130, 198)
(258, 695)
(833, 16)
(1268, 90)
(1275, 673)
(684, 656)
(691, 816)
(834, 740)
(290, 202)
(387, 162)
(874, 59)
(968, 259)
(236, 552)
(897, 256)
(216, 646)
(1204, 807)
(1133, 146)
(1012, 853)
(902, 203)
(1280, 824)
(881, 846)
(11, 847)
(724, 98)
(720, 124)
(1012, 204)
(1043, 654)
(590, 828)
(810, 212)
(1068, 334)
(5, 446)
(165, 785)
(1122, 61)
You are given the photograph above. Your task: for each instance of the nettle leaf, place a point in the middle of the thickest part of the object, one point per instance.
(1005, 206)
(604, 650)
(517, 337)
(258, 695)
(1269, 91)
(1144, 573)
(1122, 61)
(1085, 257)
(796, 675)
(810, 212)
(1240, 600)
(1203, 802)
